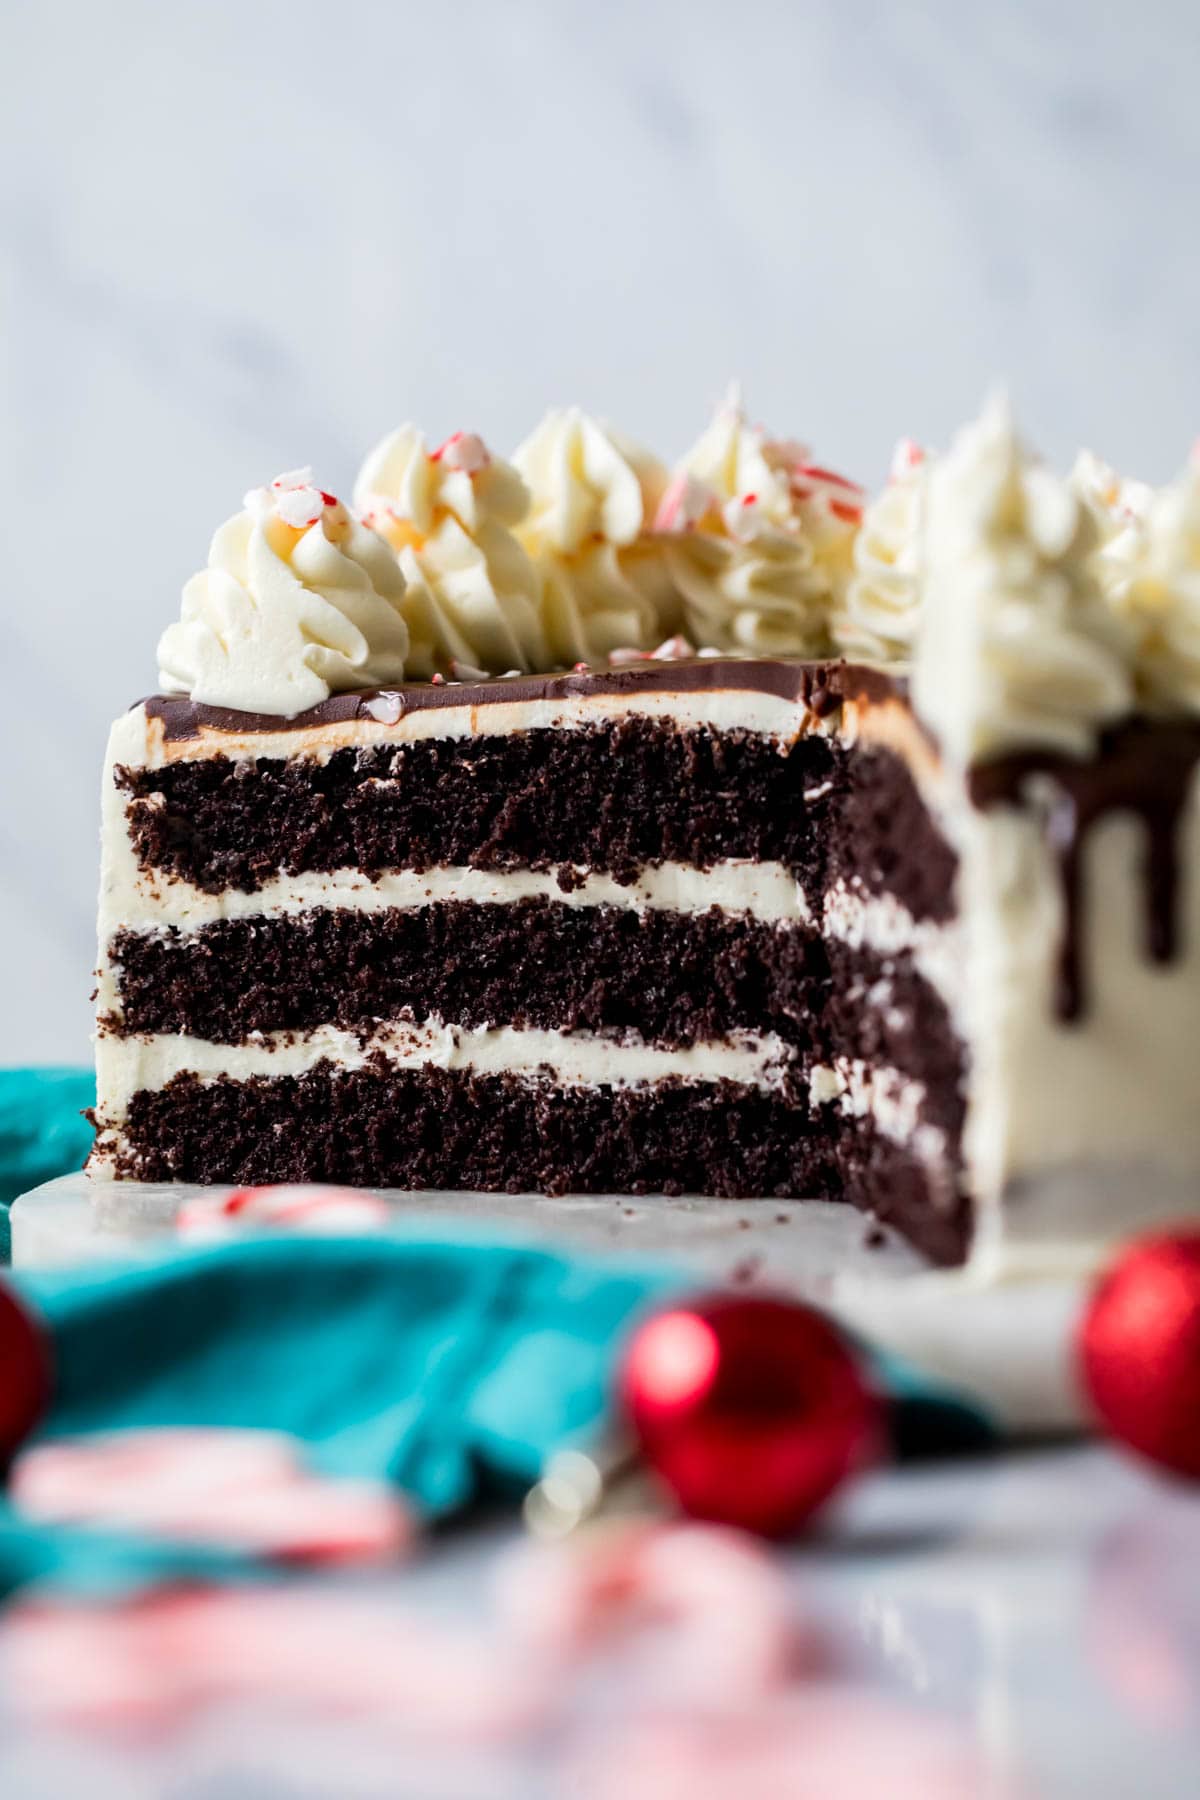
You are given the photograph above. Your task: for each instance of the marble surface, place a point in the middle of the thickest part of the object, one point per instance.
(1041, 1612)
(235, 238)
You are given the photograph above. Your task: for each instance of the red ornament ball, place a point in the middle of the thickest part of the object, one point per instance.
(752, 1411)
(1138, 1349)
(24, 1372)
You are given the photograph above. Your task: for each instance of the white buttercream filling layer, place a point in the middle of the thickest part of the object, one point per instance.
(768, 892)
(129, 1065)
(879, 922)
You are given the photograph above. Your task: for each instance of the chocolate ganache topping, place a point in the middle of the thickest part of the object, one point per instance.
(1142, 768)
(1029, 662)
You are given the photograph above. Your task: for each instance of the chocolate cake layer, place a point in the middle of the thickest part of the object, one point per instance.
(609, 797)
(884, 839)
(879, 1010)
(613, 798)
(674, 978)
(440, 1129)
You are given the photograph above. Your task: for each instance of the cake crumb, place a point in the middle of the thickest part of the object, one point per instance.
(744, 1272)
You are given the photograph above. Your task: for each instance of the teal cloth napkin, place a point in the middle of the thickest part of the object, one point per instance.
(42, 1129)
(450, 1368)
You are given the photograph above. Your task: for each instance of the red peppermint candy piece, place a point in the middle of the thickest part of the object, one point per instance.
(244, 1489)
(25, 1373)
(844, 498)
(330, 1211)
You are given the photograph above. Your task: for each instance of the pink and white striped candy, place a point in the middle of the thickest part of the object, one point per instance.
(907, 456)
(839, 495)
(463, 450)
(321, 1211)
(820, 1742)
(672, 649)
(707, 1605)
(147, 1660)
(246, 1490)
(685, 501)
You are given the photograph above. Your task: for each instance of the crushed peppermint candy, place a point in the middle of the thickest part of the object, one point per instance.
(462, 671)
(385, 708)
(673, 649)
(685, 502)
(292, 479)
(293, 497)
(463, 450)
(744, 516)
(839, 495)
(316, 1210)
(907, 456)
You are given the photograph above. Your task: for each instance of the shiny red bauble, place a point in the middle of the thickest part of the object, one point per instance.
(24, 1372)
(1139, 1349)
(751, 1411)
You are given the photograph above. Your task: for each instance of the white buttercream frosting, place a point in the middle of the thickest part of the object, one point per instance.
(605, 584)
(1016, 647)
(1114, 501)
(473, 596)
(760, 540)
(878, 619)
(299, 600)
(1153, 587)
(131, 1065)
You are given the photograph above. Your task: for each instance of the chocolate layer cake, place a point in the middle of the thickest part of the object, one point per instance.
(746, 923)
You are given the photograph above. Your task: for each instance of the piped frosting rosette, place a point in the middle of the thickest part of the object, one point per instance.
(760, 540)
(881, 604)
(1117, 507)
(1155, 594)
(473, 597)
(605, 584)
(299, 600)
(1016, 646)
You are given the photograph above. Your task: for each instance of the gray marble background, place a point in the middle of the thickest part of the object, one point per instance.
(238, 236)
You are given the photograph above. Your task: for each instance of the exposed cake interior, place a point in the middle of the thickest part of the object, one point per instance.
(685, 928)
(385, 902)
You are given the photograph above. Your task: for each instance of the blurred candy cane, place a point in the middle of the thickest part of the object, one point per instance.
(246, 1490)
(321, 1211)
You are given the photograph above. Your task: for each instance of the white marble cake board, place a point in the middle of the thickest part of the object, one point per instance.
(1007, 1345)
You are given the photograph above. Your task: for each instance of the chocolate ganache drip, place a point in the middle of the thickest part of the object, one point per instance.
(1140, 767)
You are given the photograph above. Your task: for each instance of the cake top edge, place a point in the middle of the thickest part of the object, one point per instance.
(819, 686)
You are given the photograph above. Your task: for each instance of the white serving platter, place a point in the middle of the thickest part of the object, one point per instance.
(1006, 1345)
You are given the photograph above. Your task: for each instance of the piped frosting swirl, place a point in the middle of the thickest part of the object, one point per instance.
(472, 595)
(604, 580)
(1016, 648)
(300, 600)
(760, 540)
(1154, 589)
(882, 606)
